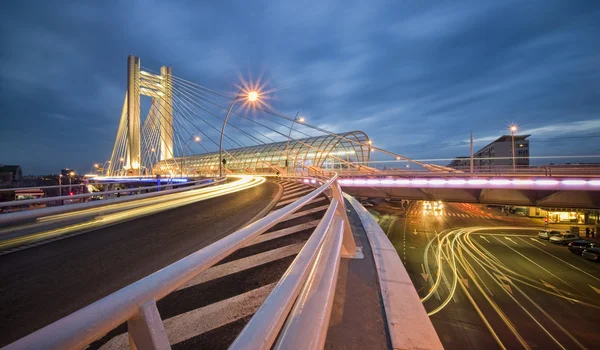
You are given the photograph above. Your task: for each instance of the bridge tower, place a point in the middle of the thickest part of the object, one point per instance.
(159, 88)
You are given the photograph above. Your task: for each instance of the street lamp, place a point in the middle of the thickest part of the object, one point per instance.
(195, 139)
(513, 130)
(287, 153)
(251, 96)
(70, 176)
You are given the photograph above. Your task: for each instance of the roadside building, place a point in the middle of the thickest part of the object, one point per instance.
(498, 154)
(10, 173)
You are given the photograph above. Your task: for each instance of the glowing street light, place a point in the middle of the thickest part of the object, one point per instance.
(513, 130)
(195, 139)
(251, 96)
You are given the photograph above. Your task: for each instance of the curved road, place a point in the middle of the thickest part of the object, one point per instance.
(45, 283)
(508, 289)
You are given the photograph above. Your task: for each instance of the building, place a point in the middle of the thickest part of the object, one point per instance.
(497, 155)
(10, 173)
(320, 152)
(461, 163)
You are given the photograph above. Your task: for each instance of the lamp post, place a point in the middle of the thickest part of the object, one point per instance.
(252, 97)
(70, 176)
(287, 153)
(195, 139)
(513, 129)
(59, 185)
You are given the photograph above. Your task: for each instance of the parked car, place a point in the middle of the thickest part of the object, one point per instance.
(564, 238)
(577, 247)
(545, 234)
(592, 254)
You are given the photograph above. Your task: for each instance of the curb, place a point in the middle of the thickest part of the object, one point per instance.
(408, 324)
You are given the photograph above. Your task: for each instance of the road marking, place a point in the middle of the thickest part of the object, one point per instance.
(199, 321)
(563, 261)
(556, 290)
(510, 239)
(597, 290)
(423, 274)
(536, 240)
(485, 239)
(465, 282)
(283, 232)
(244, 264)
(306, 212)
(415, 232)
(504, 285)
(538, 265)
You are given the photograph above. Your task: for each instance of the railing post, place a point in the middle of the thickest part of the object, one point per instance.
(349, 249)
(146, 329)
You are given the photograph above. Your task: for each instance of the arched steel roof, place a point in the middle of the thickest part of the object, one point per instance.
(326, 151)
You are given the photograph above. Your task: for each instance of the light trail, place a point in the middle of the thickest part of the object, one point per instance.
(461, 250)
(160, 204)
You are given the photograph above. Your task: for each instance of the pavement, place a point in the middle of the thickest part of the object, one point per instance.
(497, 288)
(47, 282)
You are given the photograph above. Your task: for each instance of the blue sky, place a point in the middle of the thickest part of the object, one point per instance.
(417, 76)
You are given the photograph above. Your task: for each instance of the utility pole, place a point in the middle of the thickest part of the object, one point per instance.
(471, 152)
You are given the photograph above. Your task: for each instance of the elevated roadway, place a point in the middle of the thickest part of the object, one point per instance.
(552, 192)
(44, 283)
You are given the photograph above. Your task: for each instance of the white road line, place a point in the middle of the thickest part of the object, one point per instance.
(538, 265)
(485, 239)
(298, 193)
(535, 240)
(510, 239)
(280, 205)
(243, 264)
(283, 203)
(283, 232)
(563, 261)
(199, 321)
(292, 187)
(306, 212)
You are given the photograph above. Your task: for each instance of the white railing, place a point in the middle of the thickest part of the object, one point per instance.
(306, 289)
(93, 194)
(19, 216)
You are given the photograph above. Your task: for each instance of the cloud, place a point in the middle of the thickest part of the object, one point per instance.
(415, 76)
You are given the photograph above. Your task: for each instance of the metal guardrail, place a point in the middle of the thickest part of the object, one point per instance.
(312, 275)
(525, 172)
(93, 194)
(31, 214)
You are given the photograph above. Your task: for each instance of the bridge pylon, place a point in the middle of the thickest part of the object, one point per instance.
(127, 153)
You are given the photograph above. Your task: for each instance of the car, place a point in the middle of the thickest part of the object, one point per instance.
(545, 234)
(564, 238)
(578, 246)
(592, 254)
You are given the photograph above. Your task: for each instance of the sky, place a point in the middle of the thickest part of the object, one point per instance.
(416, 76)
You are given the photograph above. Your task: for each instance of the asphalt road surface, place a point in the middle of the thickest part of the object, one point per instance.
(499, 286)
(45, 283)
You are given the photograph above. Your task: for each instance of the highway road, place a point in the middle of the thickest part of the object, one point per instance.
(499, 287)
(44, 283)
